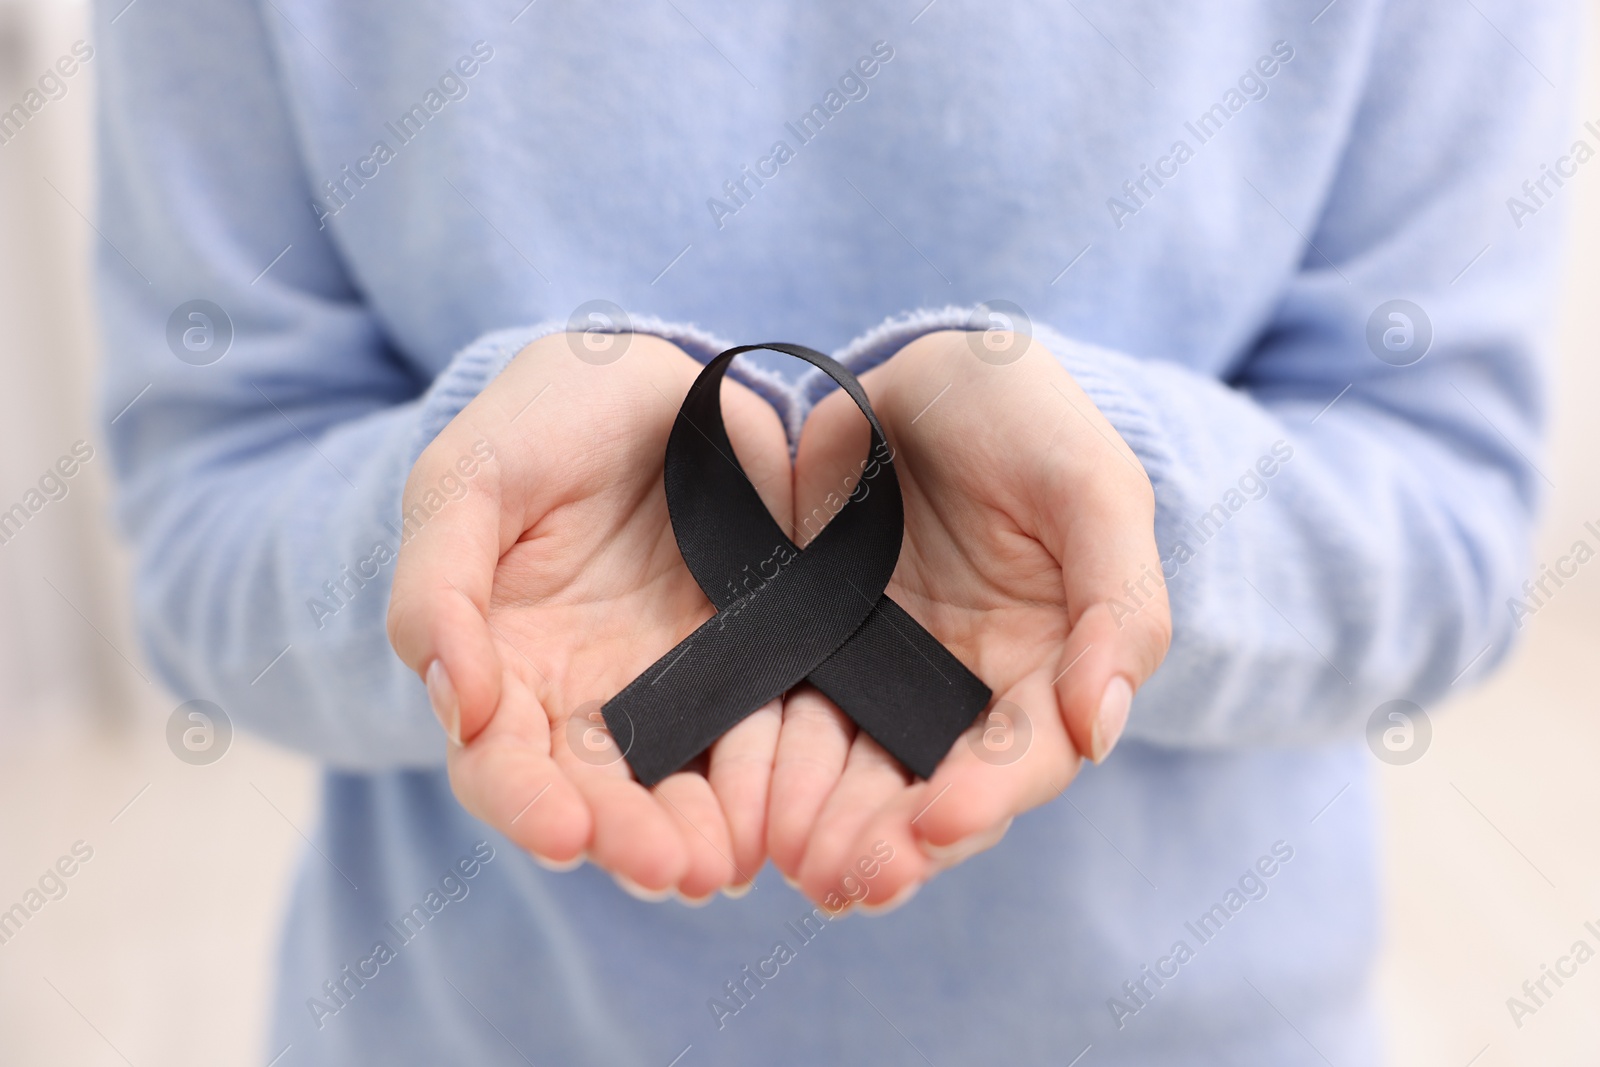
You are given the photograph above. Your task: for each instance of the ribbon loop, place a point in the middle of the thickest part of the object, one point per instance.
(786, 615)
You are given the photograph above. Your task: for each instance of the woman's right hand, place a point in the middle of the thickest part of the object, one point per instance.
(550, 584)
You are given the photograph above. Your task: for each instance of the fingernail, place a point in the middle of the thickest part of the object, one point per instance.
(639, 892)
(694, 902)
(442, 695)
(560, 866)
(792, 883)
(734, 892)
(1111, 718)
(969, 846)
(954, 852)
(905, 893)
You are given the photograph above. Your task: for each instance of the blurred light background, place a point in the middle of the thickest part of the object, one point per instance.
(161, 950)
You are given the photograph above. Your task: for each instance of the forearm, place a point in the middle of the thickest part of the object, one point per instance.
(263, 569)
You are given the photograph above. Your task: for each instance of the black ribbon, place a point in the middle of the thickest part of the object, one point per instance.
(785, 615)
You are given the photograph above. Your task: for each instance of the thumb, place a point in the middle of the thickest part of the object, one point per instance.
(1110, 651)
(1102, 532)
(439, 602)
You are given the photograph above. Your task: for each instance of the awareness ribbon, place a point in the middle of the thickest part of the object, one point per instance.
(821, 616)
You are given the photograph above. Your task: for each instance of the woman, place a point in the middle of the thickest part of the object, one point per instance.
(402, 219)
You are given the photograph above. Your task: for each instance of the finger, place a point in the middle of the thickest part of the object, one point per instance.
(1119, 635)
(813, 746)
(828, 462)
(1014, 758)
(889, 864)
(893, 861)
(761, 447)
(1099, 524)
(740, 774)
(871, 777)
(600, 420)
(635, 836)
(1077, 488)
(439, 599)
(700, 823)
(507, 778)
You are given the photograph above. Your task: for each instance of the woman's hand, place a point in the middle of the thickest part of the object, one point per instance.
(550, 585)
(1026, 514)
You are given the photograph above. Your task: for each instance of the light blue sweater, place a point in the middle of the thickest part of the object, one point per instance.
(1201, 215)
